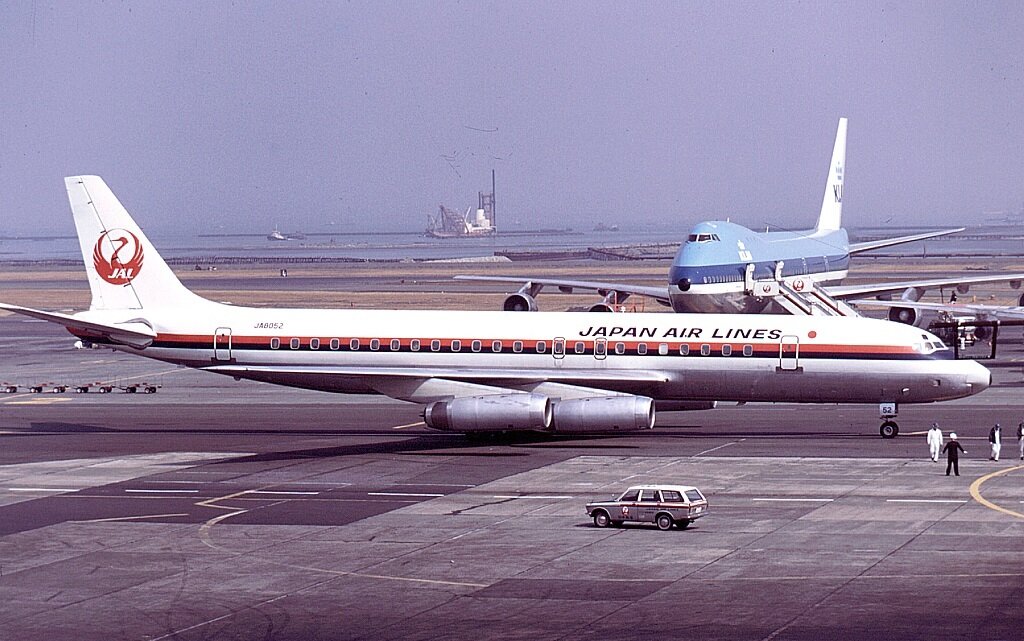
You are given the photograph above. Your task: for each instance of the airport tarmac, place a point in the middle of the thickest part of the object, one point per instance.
(216, 509)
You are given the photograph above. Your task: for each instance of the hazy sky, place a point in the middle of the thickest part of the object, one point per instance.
(368, 115)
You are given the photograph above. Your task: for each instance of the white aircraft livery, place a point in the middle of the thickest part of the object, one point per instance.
(497, 371)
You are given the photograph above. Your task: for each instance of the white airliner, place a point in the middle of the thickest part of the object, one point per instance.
(724, 267)
(495, 371)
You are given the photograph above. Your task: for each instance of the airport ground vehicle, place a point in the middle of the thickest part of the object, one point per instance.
(663, 505)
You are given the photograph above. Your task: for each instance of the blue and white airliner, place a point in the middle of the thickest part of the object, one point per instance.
(716, 269)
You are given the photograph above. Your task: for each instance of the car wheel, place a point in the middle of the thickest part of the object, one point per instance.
(682, 525)
(601, 519)
(664, 521)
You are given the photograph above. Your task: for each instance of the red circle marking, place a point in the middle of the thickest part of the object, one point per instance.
(812, 334)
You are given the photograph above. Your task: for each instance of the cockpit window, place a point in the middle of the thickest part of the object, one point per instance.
(702, 238)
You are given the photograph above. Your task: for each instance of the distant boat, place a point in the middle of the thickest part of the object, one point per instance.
(603, 227)
(276, 235)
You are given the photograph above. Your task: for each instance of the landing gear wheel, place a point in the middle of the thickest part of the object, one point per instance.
(664, 522)
(889, 429)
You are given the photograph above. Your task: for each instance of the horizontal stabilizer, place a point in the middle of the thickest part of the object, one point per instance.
(134, 333)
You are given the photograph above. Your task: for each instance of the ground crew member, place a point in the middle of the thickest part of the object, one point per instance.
(1020, 439)
(995, 437)
(952, 450)
(935, 441)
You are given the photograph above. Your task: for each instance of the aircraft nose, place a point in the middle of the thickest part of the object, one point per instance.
(979, 378)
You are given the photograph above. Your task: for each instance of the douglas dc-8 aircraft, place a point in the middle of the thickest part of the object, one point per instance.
(726, 268)
(493, 371)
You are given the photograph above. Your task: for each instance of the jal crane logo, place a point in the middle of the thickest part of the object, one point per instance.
(117, 256)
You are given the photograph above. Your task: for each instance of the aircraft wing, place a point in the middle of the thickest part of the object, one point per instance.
(511, 375)
(134, 334)
(874, 289)
(996, 311)
(659, 294)
(856, 248)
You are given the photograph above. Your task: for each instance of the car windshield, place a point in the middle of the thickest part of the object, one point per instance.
(630, 495)
(694, 495)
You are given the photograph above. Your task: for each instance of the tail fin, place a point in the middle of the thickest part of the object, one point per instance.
(831, 217)
(125, 271)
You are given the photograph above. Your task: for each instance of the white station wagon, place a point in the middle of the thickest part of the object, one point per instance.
(663, 505)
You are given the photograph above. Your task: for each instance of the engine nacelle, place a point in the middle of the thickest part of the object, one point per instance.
(905, 315)
(603, 414)
(601, 307)
(520, 302)
(492, 413)
(982, 332)
(963, 288)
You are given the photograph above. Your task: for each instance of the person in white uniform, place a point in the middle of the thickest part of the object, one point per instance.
(935, 441)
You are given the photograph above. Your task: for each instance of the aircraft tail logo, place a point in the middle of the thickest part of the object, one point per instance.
(117, 256)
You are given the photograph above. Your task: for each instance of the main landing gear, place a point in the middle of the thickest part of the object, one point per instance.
(889, 428)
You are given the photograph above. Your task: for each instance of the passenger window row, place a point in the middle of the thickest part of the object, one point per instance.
(497, 347)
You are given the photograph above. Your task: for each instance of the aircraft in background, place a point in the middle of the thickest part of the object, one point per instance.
(496, 372)
(727, 268)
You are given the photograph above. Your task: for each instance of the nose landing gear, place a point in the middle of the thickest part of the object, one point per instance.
(887, 412)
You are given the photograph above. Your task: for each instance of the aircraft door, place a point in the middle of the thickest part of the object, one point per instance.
(222, 344)
(789, 353)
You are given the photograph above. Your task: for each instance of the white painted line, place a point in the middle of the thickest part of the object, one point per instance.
(402, 427)
(162, 491)
(715, 448)
(282, 492)
(528, 496)
(809, 500)
(41, 489)
(401, 494)
(925, 501)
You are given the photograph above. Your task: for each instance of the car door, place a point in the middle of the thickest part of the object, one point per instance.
(627, 510)
(648, 506)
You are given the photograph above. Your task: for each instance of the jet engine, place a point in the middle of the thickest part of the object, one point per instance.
(492, 413)
(601, 307)
(603, 414)
(905, 315)
(520, 302)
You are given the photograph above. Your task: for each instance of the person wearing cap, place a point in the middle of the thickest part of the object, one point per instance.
(935, 441)
(952, 450)
(995, 438)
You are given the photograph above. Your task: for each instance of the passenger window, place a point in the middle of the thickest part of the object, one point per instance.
(663, 349)
(648, 496)
(456, 345)
(435, 345)
(354, 344)
(496, 346)
(374, 344)
(748, 350)
(620, 348)
(395, 344)
(684, 349)
(541, 347)
(641, 348)
(705, 349)
(314, 343)
(295, 343)
(414, 344)
(671, 496)
(517, 346)
(630, 495)
(726, 350)
(580, 347)
(335, 343)
(275, 343)
(475, 346)
(694, 495)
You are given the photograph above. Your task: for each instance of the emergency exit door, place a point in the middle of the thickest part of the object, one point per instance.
(789, 353)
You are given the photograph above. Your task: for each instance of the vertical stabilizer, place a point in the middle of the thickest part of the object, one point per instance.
(125, 271)
(831, 217)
